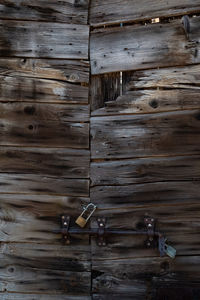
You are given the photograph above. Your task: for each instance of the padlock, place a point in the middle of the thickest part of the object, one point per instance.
(81, 220)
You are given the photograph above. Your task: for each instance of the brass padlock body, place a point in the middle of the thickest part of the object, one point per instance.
(81, 221)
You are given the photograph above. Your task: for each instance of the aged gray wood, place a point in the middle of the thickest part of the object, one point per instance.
(72, 71)
(68, 163)
(17, 296)
(43, 39)
(130, 171)
(151, 101)
(21, 88)
(179, 221)
(170, 133)
(142, 47)
(52, 257)
(44, 125)
(56, 11)
(187, 77)
(124, 276)
(115, 11)
(149, 194)
(33, 218)
(140, 296)
(31, 184)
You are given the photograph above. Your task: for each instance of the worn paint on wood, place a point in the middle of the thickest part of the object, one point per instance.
(43, 40)
(115, 11)
(55, 11)
(17, 296)
(169, 133)
(143, 47)
(33, 218)
(44, 125)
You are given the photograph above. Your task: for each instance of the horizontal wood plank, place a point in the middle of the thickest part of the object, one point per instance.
(68, 163)
(122, 276)
(139, 295)
(134, 195)
(18, 296)
(64, 11)
(151, 101)
(159, 134)
(142, 47)
(41, 90)
(130, 171)
(34, 218)
(115, 11)
(31, 184)
(72, 71)
(43, 40)
(187, 77)
(44, 125)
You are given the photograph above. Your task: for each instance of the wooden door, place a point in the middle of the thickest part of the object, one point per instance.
(145, 141)
(44, 152)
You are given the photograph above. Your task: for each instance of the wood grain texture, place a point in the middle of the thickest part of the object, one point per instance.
(68, 163)
(178, 221)
(139, 295)
(43, 40)
(31, 184)
(44, 125)
(64, 11)
(148, 194)
(34, 218)
(115, 11)
(187, 77)
(17, 296)
(143, 47)
(131, 171)
(72, 71)
(127, 276)
(169, 133)
(25, 89)
(151, 101)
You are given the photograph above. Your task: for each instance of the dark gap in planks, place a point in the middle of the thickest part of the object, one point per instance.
(162, 20)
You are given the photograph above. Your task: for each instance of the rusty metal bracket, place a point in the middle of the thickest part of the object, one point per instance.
(101, 240)
(65, 223)
(154, 238)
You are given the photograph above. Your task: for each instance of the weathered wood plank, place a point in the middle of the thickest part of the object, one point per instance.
(151, 101)
(149, 194)
(115, 11)
(17, 296)
(41, 90)
(137, 296)
(187, 77)
(68, 163)
(124, 276)
(32, 280)
(43, 39)
(31, 184)
(72, 71)
(143, 47)
(39, 256)
(170, 133)
(44, 125)
(33, 218)
(179, 221)
(63, 11)
(143, 170)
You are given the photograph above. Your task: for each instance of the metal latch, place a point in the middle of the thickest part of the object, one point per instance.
(154, 238)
